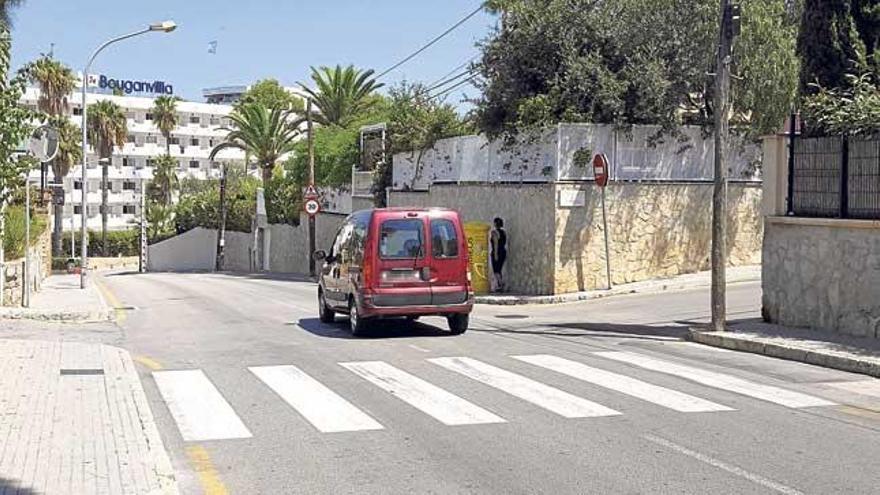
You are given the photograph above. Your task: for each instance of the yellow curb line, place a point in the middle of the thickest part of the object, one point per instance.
(149, 363)
(120, 314)
(204, 467)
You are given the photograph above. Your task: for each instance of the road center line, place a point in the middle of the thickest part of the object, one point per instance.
(730, 468)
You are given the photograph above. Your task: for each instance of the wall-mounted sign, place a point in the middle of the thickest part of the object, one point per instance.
(128, 87)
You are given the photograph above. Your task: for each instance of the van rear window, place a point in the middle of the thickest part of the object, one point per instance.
(401, 239)
(444, 240)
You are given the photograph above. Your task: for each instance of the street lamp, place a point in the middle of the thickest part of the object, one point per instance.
(164, 27)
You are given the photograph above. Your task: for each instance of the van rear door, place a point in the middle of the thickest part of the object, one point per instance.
(403, 274)
(449, 284)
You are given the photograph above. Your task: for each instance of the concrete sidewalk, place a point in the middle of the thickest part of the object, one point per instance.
(75, 420)
(828, 349)
(736, 274)
(61, 299)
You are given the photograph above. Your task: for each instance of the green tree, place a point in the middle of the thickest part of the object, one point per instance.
(165, 181)
(165, 117)
(56, 81)
(271, 94)
(628, 62)
(106, 128)
(829, 44)
(264, 134)
(341, 95)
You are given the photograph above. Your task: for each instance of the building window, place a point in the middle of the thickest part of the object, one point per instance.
(194, 119)
(151, 139)
(129, 185)
(194, 164)
(128, 209)
(77, 209)
(149, 116)
(127, 162)
(129, 138)
(77, 111)
(151, 162)
(175, 140)
(194, 141)
(77, 185)
(215, 121)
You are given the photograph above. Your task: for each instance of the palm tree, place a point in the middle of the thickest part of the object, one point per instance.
(56, 82)
(165, 117)
(69, 152)
(264, 134)
(106, 128)
(165, 180)
(341, 94)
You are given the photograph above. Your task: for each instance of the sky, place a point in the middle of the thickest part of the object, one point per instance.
(255, 39)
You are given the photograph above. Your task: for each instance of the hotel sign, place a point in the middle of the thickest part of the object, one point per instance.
(129, 87)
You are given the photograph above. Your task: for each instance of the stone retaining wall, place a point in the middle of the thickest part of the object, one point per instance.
(822, 274)
(41, 267)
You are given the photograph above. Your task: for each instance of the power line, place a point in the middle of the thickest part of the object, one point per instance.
(449, 80)
(448, 90)
(426, 46)
(457, 67)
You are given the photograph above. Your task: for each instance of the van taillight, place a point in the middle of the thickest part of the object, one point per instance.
(368, 272)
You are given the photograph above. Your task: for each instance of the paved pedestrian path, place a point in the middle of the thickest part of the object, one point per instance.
(61, 299)
(738, 274)
(74, 420)
(822, 348)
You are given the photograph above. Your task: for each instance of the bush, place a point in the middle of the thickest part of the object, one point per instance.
(203, 209)
(119, 243)
(13, 240)
(59, 263)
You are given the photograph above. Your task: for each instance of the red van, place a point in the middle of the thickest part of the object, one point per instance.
(397, 262)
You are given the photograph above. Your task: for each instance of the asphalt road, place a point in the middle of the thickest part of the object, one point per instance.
(276, 402)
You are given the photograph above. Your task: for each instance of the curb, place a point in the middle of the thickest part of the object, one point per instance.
(654, 287)
(790, 353)
(58, 316)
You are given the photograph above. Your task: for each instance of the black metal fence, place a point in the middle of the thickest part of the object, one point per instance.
(834, 177)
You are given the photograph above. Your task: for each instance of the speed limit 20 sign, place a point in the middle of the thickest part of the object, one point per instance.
(312, 207)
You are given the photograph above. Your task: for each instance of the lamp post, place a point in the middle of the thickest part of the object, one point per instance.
(163, 27)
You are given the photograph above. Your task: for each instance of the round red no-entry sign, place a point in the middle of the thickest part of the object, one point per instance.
(600, 169)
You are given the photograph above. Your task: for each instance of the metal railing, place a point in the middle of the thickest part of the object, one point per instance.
(834, 177)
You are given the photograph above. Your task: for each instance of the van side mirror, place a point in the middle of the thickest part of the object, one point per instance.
(319, 255)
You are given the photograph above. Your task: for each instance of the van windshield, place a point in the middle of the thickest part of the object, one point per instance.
(400, 239)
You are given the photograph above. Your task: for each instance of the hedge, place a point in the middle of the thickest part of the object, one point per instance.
(119, 243)
(13, 239)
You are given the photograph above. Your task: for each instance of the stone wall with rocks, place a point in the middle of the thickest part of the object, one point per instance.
(822, 274)
(528, 211)
(656, 230)
(41, 267)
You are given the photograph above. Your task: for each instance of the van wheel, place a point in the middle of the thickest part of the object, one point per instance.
(458, 323)
(325, 314)
(357, 324)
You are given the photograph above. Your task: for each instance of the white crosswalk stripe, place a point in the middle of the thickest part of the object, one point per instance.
(199, 410)
(662, 396)
(443, 406)
(322, 407)
(541, 395)
(722, 381)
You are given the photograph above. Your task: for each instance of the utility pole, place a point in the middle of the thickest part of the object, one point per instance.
(311, 184)
(728, 31)
(221, 237)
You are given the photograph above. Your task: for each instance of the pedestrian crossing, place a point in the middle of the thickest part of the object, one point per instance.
(202, 413)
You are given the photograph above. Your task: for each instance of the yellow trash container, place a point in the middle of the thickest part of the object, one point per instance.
(477, 234)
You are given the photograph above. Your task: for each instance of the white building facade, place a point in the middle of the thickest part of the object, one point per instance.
(200, 128)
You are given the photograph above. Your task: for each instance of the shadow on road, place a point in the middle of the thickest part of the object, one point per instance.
(13, 486)
(380, 329)
(598, 330)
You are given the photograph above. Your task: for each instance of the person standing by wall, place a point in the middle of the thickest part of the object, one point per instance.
(498, 240)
